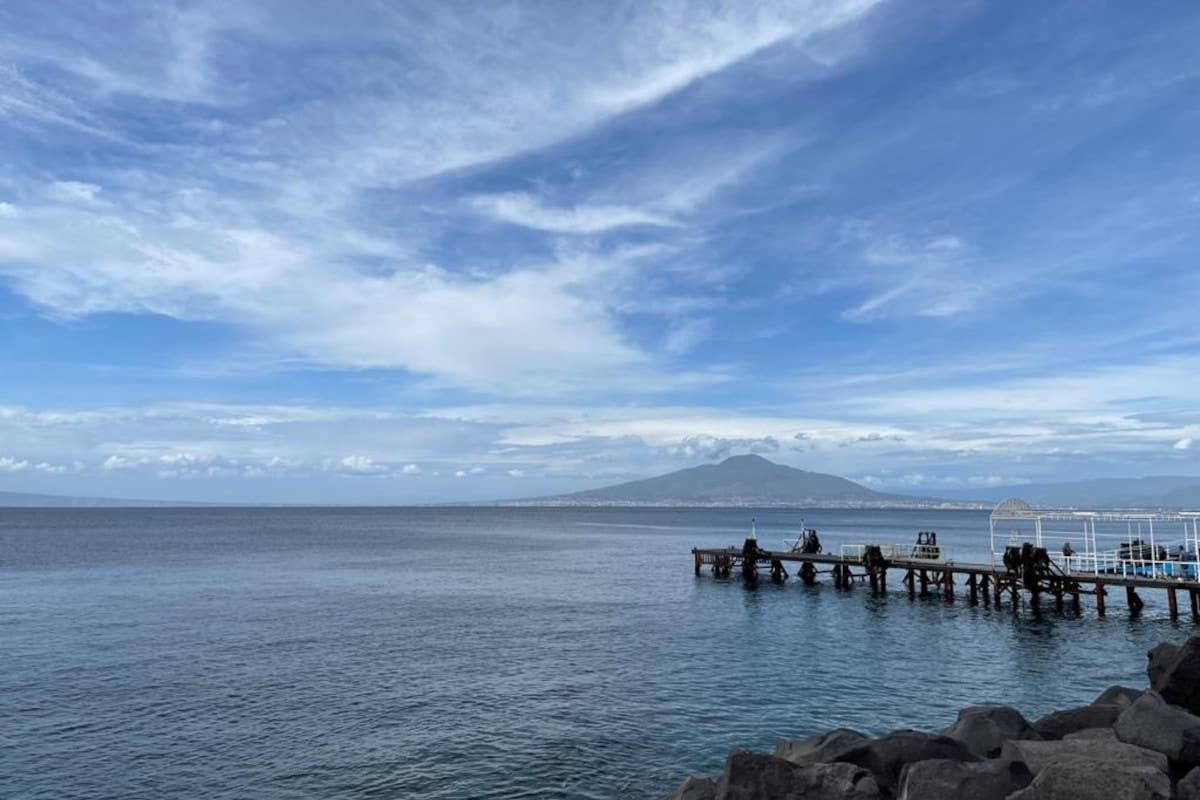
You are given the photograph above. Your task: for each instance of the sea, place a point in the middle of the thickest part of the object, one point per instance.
(482, 652)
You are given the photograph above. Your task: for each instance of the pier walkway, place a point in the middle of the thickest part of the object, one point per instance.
(1020, 567)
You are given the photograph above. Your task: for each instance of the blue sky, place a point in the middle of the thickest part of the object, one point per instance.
(418, 252)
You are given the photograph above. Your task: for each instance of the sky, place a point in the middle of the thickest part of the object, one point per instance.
(420, 252)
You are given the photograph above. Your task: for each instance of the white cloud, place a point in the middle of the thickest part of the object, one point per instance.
(361, 465)
(10, 464)
(268, 235)
(411, 469)
(522, 209)
(1183, 444)
(516, 473)
(74, 191)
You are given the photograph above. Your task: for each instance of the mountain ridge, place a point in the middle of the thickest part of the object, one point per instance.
(746, 480)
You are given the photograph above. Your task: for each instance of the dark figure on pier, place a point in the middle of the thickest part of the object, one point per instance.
(810, 543)
(1068, 551)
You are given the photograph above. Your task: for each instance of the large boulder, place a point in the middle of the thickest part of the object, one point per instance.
(1081, 781)
(1189, 787)
(985, 729)
(1158, 659)
(1106, 734)
(696, 788)
(887, 756)
(1118, 696)
(1167, 729)
(1178, 680)
(756, 776)
(1058, 724)
(1042, 755)
(819, 748)
(940, 779)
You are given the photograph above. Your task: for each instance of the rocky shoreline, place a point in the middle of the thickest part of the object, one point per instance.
(1128, 743)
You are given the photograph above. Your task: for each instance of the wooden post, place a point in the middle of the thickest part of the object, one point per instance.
(987, 591)
(1172, 603)
(948, 585)
(883, 578)
(696, 556)
(973, 585)
(996, 585)
(1100, 598)
(910, 581)
(1195, 598)
(1135, 602)
(924, 583)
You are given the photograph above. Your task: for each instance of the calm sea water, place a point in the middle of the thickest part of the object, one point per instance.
(478, 653)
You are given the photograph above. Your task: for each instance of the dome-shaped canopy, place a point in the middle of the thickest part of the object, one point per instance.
(1013, 507)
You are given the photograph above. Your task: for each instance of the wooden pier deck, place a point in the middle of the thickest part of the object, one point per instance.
(982, 582)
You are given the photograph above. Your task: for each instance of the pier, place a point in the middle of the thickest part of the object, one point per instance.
(1121, 552)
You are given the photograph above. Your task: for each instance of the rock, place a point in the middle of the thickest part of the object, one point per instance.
(1106, 734)
(984, 729)
(819, 748)
(1118, 695)
(1152, 723)
(1179, 679)
(696, 788)
(1158, 659)
(1096, 781)
(938, 779)
(887, 756)
(1189, 787)
(756, 776)
(1058, 724)
(1042, 755)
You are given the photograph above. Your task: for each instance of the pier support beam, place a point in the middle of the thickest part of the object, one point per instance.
(808, 573)
(948, 585)
(696, 556)
(973, 586)
(1194, 596)
(1100, 598)
(1172, 603)
(1135, 602)
(924, 583)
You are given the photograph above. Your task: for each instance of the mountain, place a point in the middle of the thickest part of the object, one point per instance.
(738, 481)
(24, 500)
(1156, 491)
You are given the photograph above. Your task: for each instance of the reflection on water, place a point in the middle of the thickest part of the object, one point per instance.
(448, 653)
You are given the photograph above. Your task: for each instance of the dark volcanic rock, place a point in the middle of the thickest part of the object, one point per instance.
(1158, 659)
(1105, 734)
(1058, 724)
(755, 776)
(937, 779)
(1118, 696)
(1042, 755)
(1178, 679)
(1082, 781)
(696, 788)
(819, 748)
(1167, 729)
(887, 756)
(984, 729)
(1189, 787)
